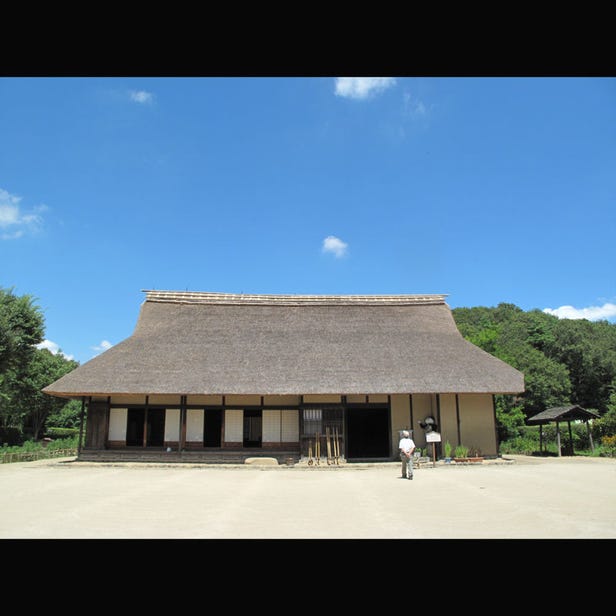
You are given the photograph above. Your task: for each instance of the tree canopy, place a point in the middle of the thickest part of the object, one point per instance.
(564, 361)
(26, 369)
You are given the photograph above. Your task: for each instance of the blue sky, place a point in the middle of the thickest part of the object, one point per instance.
(487, 189)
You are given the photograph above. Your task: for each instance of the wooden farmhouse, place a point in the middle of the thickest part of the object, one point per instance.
(222, 377)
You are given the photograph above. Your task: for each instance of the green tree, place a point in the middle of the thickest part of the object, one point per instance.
(68, 416)
(510, 417)
(546, 381)
(588, 350)
(36, 407)
(606, 426)
(21, 329)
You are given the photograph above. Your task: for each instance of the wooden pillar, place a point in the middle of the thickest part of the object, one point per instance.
(107, 421)
(458, 420)
(180, 426)
(570, 436)
(496, 437)
(439, 426)
(182, 434)
(145, 422)
(558, 438)
(411, 412)
(81, 416)
(540, 438)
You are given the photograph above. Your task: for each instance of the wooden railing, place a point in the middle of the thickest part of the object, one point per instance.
(30, 456)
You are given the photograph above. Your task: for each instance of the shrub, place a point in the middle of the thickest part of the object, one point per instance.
(608, 446)
(524, 445)
(55, 433)
(606, 425)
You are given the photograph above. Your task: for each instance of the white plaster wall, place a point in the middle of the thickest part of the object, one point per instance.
(477, 425)
(172, 425)
(400, 417)
(194, 425)
(117, 424)
(271, 426)
(449, 421)
(234, 425)
(280, 425)
(290, 426)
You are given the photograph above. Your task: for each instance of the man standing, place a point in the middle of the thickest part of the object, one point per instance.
(407, 447)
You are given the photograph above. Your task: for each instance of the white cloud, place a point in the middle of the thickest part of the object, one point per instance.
(103, 346)
(592, 313)
(362, 87)
(53, 347)
(14, 222)
(141, 96)
(335, 245)
(413, 106)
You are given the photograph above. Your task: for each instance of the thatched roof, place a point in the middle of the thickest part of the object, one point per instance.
(562, 413)
(200, 343)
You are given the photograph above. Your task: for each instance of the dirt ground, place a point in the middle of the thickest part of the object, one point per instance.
(518, 497)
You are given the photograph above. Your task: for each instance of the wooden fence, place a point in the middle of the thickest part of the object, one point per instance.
(30, 456)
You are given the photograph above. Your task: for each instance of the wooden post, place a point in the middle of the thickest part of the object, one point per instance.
(83, 404)
(592, 447)
(540, 438)
(558, 438)
(570, 436)
(433, 454)
(182, 443)
(458, 420)
(145, 422)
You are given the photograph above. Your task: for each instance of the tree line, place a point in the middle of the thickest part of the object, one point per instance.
(564, 362)
(25, 411)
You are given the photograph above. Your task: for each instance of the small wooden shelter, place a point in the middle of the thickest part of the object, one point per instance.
(559, 414)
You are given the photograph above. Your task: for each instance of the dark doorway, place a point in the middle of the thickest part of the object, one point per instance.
(212, 427)
(156, 427)
(134, 427)
(136, 423)
(252, 428)
(367, 433)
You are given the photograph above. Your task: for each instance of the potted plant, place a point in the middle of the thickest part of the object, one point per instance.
(447, 452)
(460, 453)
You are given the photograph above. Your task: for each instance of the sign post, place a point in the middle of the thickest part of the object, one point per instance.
(433, 437)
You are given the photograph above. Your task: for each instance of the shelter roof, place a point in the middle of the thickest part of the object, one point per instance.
(562, 413)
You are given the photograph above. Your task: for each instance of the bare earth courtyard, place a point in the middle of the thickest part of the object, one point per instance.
(517, 498)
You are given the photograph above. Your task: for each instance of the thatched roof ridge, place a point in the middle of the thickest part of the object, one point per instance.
(199, 297)
(188, 343)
